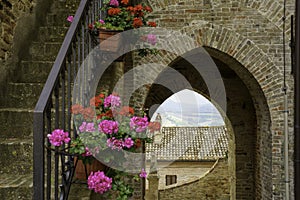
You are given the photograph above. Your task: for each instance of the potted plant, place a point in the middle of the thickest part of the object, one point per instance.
(105, 128)
(121, 15)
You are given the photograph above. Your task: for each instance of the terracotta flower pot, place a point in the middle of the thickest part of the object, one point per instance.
(82, 174)
(109, 43)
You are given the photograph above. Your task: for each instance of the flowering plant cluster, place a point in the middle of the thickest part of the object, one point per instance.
(98, 182)
(118, 126)
(58, 137)
(123, 15)
(109, 129)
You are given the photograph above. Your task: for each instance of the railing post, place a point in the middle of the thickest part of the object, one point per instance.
(49, 114)
(38, 155)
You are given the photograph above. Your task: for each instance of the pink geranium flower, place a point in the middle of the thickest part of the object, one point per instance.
(143, 173)
(58, 137)
(70, 18)
(98, 182)
(151, 38)
(139, 124)
(128, 143)
(108, 126)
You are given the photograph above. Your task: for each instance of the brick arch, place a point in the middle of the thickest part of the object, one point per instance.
(243, 50)
(231, 43)
(249, 61)
(269, 9)
(259, 74)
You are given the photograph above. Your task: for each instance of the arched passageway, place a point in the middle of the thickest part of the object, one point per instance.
(247, 120)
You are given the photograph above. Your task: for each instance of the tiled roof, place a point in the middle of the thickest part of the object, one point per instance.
(190, 144)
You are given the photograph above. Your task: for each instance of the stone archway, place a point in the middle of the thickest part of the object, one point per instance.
(261, 77)
(246, 120)
(262, 80)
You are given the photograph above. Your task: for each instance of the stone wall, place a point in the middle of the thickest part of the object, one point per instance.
(19, 22)
(241, 117)
(214, 185)
(247, 36)
(10, 12)
(186, 172)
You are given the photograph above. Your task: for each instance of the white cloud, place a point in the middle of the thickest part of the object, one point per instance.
(188, 108)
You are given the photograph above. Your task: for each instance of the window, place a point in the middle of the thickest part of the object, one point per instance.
(171, 179)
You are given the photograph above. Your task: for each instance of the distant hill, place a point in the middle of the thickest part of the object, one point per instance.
(187, 108)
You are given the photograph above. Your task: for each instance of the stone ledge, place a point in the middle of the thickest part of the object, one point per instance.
(14, 181)
(14, 187)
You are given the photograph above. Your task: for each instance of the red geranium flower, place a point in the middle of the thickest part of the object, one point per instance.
(125, 2)
(152, 24)
(130, 8)
(148, 8)
(153, 126)
(107, 114)
(88, 113)
(137, 22)
(126, 111)
(138, 8)
(76, 109)
(113, 11)
(101, 95)
(95, 101)
(91, 26)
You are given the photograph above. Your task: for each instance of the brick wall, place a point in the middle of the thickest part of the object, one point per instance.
(247, 37)
(10, 12)
(19, 22)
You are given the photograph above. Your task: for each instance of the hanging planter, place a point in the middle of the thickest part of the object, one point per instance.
(122, 15)
(83, 170)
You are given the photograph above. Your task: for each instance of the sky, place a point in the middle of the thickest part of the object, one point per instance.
(188, 108)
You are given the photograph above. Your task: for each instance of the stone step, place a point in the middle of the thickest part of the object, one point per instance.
(58, 19)
(52, 34)
(16, 156)
(22, 95)
(34, 71)
(79, 192)
(70, 5)
(13, 186)
(15, 123)
(40, 51)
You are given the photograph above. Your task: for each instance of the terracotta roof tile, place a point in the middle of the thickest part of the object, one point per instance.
(190, 144)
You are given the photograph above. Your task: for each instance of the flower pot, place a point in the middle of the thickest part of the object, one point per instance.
(109, 43)
(81, 173)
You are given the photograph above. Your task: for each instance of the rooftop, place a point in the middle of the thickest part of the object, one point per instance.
(190, 144)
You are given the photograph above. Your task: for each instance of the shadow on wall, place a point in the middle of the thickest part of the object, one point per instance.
(20, 26)
(212, 184)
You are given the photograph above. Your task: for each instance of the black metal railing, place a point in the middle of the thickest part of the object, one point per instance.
(53, 171)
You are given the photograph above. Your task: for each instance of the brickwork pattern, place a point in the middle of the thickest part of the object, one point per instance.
(10, 12)
(246, 35)
(249, 33)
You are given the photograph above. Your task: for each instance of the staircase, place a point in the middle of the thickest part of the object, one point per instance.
(16, 106)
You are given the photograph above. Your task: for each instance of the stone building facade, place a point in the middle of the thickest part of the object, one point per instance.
(214, 185)
(244, 39)
(201, 169)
